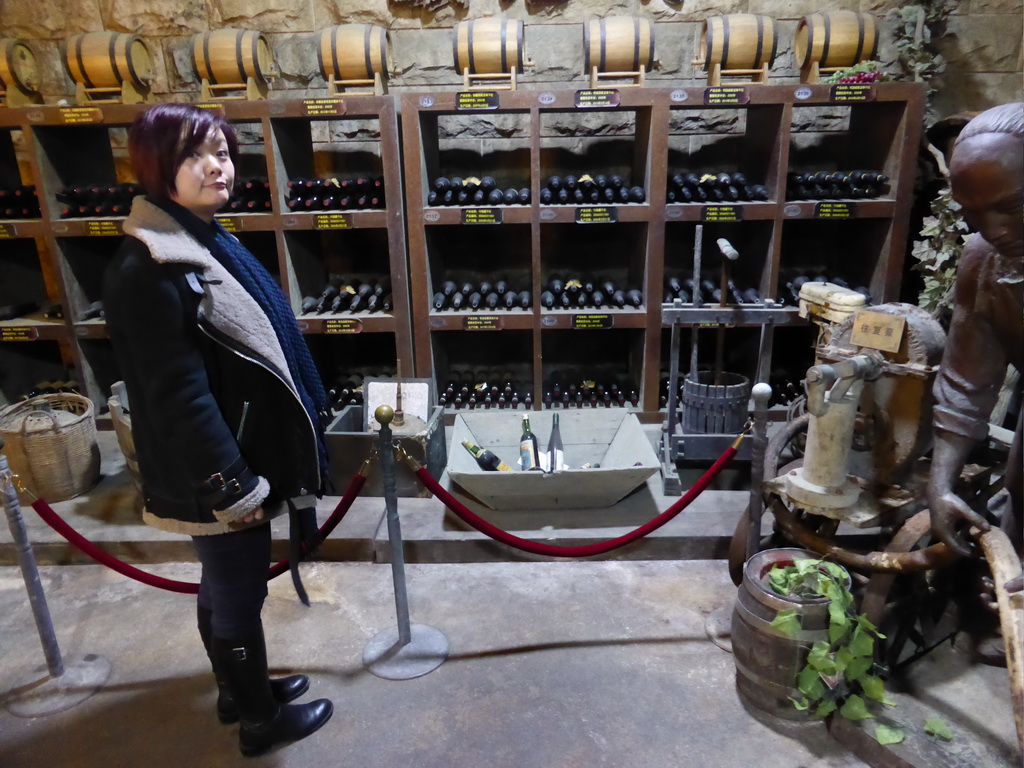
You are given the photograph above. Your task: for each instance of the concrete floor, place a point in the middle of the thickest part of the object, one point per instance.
(592, 663)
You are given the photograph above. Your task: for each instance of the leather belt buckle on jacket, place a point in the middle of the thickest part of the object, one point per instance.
(217, 490)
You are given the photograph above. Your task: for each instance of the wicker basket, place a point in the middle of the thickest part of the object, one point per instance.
(50, 442)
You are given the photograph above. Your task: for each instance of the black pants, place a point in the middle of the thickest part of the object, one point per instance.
(234, 581)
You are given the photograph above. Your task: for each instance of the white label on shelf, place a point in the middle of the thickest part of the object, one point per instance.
(546, 98)
(426, 101)
(547, 214)
(673, 213)
(791, 210)
(679, 95)
(431, 215)
(803, 93)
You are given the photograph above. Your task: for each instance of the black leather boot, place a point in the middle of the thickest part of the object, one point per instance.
(265, 721)
(285, 689)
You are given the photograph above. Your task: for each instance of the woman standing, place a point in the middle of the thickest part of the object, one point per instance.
(227, 406)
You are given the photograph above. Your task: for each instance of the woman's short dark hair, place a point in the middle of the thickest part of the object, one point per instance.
(163, 137)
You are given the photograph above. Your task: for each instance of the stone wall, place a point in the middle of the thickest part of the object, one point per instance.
(983, 44)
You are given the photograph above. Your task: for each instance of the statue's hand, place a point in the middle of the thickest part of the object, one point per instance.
(947, 511)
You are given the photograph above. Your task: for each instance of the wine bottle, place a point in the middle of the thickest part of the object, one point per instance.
(486, 459)
(528, 447)
(634, 297)
(523, 196)
(556, 454)
(474, 300)
(510, 299)
(508, 197)
(525, 299)
(458, 299)
(547, 299)
(441, 183)
(308, 305)
(491, 300)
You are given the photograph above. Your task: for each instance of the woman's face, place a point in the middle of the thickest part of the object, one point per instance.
(204, 181)
(987, 176)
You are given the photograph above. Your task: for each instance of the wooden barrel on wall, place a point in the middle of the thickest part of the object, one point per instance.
(835, 39)
(488, 46)
(354, 52)
(618, 44)
(739, 41)
(230, 56)
(108, 59)
(18, 66)
(767, 661)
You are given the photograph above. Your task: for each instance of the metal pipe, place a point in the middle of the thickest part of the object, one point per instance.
(761, 393)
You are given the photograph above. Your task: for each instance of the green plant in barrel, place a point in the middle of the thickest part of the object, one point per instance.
(840, 672)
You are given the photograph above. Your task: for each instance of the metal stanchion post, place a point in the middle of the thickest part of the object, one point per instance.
(415, 649)
(762, 393)
(63, 685)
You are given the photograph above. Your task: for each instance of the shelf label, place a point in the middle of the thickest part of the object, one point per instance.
(726, 94)
(878, 331)
(323, 107)
(588, 322)
(102, 228)
(716, 325)
(477, 100)
(831, 210)
(7, 230)
(18, 333)
(482, 323)
(78, 115)
(596, 215)
(853, 92)
(481, 216)
(597, 97)
(721, 213)
(229, 223)
(332, 221)
(343, 325)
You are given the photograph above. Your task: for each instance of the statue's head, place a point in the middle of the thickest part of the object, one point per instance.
(987, 177)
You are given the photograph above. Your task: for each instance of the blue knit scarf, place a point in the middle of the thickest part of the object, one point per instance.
(259, 283)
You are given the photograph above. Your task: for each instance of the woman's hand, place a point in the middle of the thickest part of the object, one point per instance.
(256, 514)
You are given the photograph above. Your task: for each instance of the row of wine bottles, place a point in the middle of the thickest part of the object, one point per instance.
(53, 388)
(737, 293)
(585, 291)
(835, 185)
(19, 202)
(336, 194)
(249, 196)
(479, 296)
(471, 190)
(83, 200)
(530, 456)
(344, 393)
(713, 188)
(586, 189)
(341, 295)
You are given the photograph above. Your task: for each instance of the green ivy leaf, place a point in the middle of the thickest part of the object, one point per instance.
(855, 709)
(787, 623)
(808, 682)
(862, 643)
(935, 726)
(874, 688)
(825, 708)
(858, 666)
(820, 658)
(802, 704)
(888, 734)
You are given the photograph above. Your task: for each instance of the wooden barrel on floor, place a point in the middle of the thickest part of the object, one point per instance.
(618, 44)
(739, 41)
(108, 59)
(230, 56)
(488, 46)
(835, 39)
(767, 662)
(18, 66)
(354, 52)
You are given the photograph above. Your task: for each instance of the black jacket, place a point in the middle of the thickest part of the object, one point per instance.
(218, 426)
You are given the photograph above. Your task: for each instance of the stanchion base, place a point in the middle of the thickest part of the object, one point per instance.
(41, 694)
(426, 651)
(718, 626)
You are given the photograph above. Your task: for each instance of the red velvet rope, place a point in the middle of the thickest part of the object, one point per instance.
(55, 521)
(556, 550)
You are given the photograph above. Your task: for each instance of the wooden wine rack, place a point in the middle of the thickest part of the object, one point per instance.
(865, 239)
(63, 260)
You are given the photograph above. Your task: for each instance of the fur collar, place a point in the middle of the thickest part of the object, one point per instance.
(226, 305)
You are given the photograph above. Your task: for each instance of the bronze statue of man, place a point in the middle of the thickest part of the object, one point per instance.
(987, 330)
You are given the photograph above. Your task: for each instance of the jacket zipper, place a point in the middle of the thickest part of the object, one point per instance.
(241, 422)
(212, 334)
